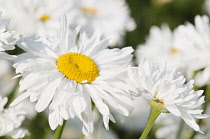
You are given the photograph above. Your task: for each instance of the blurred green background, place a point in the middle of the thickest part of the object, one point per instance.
(155, 12)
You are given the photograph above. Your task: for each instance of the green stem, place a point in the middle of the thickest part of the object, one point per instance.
(207, 99)
(82, 136)
(155, 113)
(59, 131)
(181, 126)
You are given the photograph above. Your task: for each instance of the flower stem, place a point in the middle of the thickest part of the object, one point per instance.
(155, 113)
(59, 131)
(82, 136)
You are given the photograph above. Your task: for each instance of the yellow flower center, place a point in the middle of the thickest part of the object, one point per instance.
(174, 51)
(45, 17)
(78, 67)
(88, 10)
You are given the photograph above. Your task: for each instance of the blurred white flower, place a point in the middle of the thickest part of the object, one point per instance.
(35, 17)
(206, 6)
(11, 120)
(196, 39)
(73, 126)
(205, 124)
(7, 39)
(29, 108)
(168, 90)
(162, 46)
(169, 126)
(70, 73)
(6, 75)
(102, 133)
(111, 15)
(136, 121)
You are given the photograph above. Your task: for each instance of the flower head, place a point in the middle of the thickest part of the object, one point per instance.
(167, 91)
(113, 16)
(196, 39)
(6, 38)
(69, 74)
(163, 46)
(11, 120)
(42, 14)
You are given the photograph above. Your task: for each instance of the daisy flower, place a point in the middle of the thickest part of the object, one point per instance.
(70, 74)
(169, 126)
(167, 92)
(6, 38)
(162, 46)
(159, 46)
(196, 39)
(43, 15)
(112, 15)
(11, 120)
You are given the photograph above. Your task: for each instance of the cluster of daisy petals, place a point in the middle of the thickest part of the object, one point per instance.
(11, 120)
(78, 72)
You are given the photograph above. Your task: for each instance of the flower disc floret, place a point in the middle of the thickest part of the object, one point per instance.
(78, 67)
(45, 18)
(88, 10)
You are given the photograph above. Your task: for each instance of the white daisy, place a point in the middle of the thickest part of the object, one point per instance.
(112, 15)
(7, 39)
(70, 73)
(167, 90)
(162, 46)
(11, 120)
(205, 124)
(30, 17)
(168, 127)
(138, 115)
(196, 39)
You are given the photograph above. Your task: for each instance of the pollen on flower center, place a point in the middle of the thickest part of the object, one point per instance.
(45, 17)
(92, 11)
(78, 67)
(174, 50)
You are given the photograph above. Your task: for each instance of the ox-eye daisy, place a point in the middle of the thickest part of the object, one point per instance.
(163, 46)
(69, 74)
(11, 120)
(112, 15)
(167, 92)
(196, 39)
(38, 17)
(7, 40)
